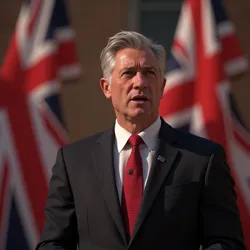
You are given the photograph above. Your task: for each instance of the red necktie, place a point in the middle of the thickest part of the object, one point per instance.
(132, 184)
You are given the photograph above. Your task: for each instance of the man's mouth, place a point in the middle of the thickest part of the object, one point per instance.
(139, 98)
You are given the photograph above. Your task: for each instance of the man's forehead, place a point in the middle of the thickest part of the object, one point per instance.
(132, 57)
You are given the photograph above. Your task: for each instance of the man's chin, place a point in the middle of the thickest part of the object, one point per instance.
(140, 113)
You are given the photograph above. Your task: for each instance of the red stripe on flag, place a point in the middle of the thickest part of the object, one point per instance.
(207, 96)
(229, 42)
(44, 71)
(67, 55)
(48, 68)
(177, 99)
(210, 73)
(177, 46)
(16, 84)
(34, 15)
(35, 180)
(53, 129)
(239, 137)
(10, 68)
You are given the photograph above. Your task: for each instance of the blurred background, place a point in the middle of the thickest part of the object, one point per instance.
(84, 109)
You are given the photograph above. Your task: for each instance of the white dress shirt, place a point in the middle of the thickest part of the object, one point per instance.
(122, 151)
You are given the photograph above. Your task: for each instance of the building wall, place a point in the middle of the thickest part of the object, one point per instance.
(85, 108)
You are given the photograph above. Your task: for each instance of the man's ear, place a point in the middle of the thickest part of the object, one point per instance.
(106, 88)
(163, 86)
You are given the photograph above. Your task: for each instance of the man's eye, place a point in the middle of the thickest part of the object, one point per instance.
(128, 73)
(150, 72)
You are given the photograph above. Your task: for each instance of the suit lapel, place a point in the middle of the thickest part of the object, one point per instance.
(164, 159)
(104, 164)
(103, 157)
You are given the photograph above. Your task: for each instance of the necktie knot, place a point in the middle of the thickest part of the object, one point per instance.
(135, 140)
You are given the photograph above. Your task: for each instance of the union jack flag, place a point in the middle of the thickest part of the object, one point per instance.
(198, 97)
(41, 53)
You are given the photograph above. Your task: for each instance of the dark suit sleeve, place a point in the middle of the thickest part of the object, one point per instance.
(60, 229)
(220, 226)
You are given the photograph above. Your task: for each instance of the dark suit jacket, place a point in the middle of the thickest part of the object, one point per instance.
(189, 199)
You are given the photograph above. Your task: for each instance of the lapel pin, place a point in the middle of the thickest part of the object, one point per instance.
(161, 158)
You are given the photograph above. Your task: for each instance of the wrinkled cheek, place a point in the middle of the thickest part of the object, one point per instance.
(118, 103)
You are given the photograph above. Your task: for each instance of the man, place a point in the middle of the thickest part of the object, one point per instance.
(142, 184)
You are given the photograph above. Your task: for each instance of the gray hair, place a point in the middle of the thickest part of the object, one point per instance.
(129, 39)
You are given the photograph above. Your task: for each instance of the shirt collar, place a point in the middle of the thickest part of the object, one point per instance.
(149, 135)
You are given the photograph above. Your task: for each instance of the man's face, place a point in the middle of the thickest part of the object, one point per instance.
(136, 87)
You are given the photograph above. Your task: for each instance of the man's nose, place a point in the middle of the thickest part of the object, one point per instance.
(139, 81)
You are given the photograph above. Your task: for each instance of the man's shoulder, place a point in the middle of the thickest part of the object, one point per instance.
(194, 143)
(84, 143)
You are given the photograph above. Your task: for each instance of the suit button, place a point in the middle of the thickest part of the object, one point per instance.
(130, 171)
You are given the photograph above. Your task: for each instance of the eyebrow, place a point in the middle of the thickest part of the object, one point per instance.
(149, 67)
(143, 68)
